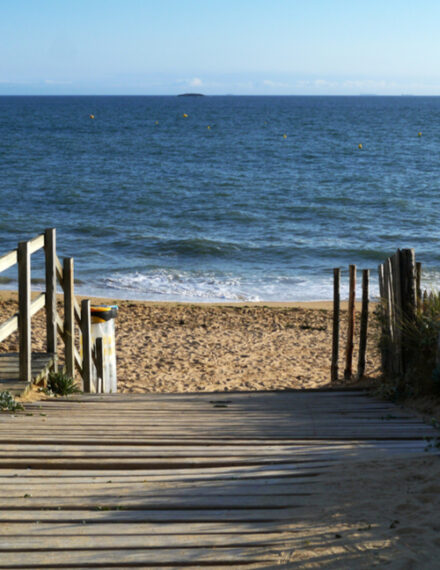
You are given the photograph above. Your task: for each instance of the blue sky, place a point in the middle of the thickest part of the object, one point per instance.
(219, 47)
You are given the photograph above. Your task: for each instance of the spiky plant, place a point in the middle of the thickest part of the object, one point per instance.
(61, 384)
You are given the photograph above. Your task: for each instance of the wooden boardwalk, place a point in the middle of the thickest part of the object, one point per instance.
(206, 480)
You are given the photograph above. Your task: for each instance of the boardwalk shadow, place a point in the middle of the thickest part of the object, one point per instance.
(300, 480)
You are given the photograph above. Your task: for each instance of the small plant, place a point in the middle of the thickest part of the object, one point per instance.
(61, 384)
(8, 403)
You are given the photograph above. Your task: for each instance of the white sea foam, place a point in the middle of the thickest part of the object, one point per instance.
(172, 285)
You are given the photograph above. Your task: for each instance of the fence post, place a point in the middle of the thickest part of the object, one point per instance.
(350, 330)
(364, 323)
(336, 311)
(51, 292)
(24, 311)
(100, 364)
(69, 318)
(87, 345)
(419, 286)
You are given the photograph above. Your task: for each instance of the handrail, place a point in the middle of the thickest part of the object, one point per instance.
(8, 260)
(8, 327)
(36, 243)
(74, 313)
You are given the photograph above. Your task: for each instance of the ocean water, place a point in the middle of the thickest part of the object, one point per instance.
(245, 198)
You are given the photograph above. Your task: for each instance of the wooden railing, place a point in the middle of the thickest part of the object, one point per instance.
(74, 313)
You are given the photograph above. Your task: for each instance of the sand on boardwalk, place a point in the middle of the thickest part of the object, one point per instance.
(182, 347)
(380, 513)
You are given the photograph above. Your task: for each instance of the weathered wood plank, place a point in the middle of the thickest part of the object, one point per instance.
(160, 515)
(37, 304)
(8, 260)
(143, 528)
(8, 327)
(165, 541)
(36, 243)
(147, 557)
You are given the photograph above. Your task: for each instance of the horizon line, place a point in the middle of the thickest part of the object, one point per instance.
(217, 95)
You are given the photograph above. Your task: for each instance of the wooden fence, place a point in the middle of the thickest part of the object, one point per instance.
(399, 285)
(76, 316)
(400, 300)
(348, 370)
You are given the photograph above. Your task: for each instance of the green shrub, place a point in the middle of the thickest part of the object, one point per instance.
(61, 384)
(8, 403)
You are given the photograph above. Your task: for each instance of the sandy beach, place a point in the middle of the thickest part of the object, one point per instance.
(179, 347)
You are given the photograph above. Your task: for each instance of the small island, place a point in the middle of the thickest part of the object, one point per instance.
(190, 95)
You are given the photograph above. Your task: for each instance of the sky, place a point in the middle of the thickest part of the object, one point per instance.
(217, 47)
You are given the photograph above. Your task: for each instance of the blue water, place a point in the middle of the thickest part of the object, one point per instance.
(155, 205)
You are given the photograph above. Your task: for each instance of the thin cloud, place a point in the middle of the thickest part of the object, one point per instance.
(195, 82)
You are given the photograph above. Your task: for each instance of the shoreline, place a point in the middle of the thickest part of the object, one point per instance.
(327, 305)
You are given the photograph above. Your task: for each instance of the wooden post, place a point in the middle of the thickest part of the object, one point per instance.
(409, 303)
(51, 292)
(100, 364)
(336, 312)
(364, 323)
(396, 315)
(419, 286)
(350, 331)
(87, 345)
(409, 283)
(69, 318)
(24, 311)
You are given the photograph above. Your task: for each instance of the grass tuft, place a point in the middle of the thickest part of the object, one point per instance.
(62, 384)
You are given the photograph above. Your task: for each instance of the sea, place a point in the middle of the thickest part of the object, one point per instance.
(221, 198)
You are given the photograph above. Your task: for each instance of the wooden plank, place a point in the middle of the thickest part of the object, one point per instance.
(78, 360)
(24, 315)
(147, 557)
(160, 515)
(51, 291)
(127, 502)
(8, 260)
(77, 312)
(69, 321)
(37, 304)
(36, 243)
(143, 529)
(59, 272)
(8, 327)
(166, 541)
